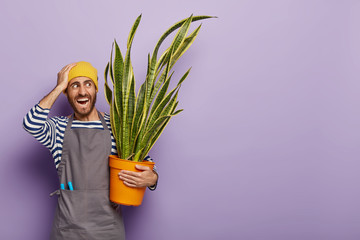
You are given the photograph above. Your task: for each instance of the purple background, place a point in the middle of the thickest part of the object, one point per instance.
(268, 144)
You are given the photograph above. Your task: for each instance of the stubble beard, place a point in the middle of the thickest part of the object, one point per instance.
(75, 106)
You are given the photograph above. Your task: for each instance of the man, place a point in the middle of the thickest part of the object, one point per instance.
(80, 145)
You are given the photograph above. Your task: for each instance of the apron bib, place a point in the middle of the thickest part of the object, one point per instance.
(86, 211)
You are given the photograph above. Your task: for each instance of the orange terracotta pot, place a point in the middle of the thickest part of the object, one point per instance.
(119, 192)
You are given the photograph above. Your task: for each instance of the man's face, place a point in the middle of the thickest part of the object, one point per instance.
(81, 94)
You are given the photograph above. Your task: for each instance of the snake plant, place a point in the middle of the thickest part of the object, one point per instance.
(137, 121)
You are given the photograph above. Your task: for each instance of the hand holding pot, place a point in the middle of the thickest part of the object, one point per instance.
(146, 178)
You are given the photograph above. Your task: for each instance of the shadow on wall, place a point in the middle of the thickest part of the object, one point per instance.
(133, 217)
(38, 180)
(61, 107)
(39, 167)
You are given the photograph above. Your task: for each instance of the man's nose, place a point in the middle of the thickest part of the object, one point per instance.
(82, 90)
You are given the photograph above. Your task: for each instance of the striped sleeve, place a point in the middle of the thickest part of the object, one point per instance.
(36, 123)
(48, 131)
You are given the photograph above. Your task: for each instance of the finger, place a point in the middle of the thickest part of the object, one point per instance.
(63, 69)
(130, 184)
(68, 67)
(142, 168)
(130, 173)
(131, 179)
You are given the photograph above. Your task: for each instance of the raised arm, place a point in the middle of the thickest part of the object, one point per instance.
(62, 82)
(36, 121)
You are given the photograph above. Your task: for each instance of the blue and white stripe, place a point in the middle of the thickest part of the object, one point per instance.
(50, 132)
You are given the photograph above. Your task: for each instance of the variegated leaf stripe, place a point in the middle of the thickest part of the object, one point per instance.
(138, 120)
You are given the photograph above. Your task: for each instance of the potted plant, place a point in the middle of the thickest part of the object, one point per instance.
(137, 120)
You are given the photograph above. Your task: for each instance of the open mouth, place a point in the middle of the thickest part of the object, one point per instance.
(82, 101)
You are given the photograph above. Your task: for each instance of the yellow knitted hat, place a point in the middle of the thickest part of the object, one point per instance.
(84, 69)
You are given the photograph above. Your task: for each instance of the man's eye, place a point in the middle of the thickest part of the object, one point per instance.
(88, 84)
(74, 86)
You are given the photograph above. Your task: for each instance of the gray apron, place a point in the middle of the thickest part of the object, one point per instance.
(86, 212)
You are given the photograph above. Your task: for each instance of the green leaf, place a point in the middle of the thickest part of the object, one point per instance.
(170, 106)
(160, 96)
(118, 63)
(148, 135)
(111, 63)
(156, 114)
(164, 76)
(131, 111)
(156, 89)
(184, 77)
(126, 95)
(154, 139)
(156, 65)
(161, 63)
(150, 78)
(148, 65)
(126, 92)
(140, 133)
(185, 45)
(107, 89)
(159, 132)
(173, 28)
(177, 112)
(133, 30)
(116, 127)
(118, 74)
(137, 121)
(180, 36)
(138, 114)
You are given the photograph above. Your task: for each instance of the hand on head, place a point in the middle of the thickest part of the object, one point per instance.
(62, 80)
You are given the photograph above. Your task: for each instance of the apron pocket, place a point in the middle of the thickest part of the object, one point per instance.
(86, 209)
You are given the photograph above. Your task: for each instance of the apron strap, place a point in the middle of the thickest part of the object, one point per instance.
(71, 119)
(103, 121)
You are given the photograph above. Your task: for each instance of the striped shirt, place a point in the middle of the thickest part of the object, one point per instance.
(50, 131)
